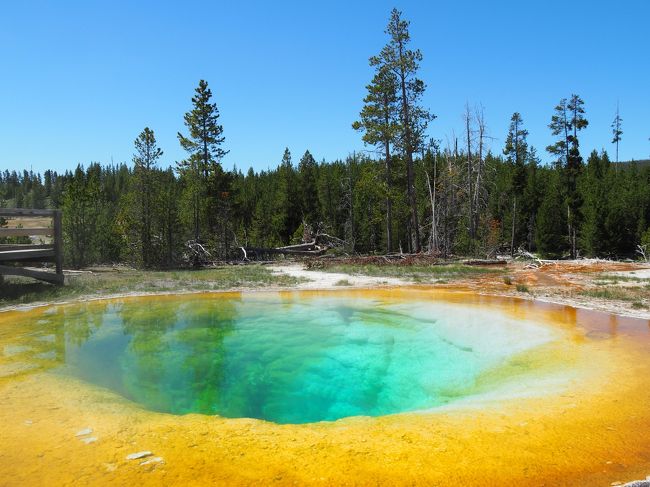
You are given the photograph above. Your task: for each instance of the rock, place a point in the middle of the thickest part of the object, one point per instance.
(84, 432)
(153, 460)
(29, 422)
(638, 483)
(90, 439)
(140, 454)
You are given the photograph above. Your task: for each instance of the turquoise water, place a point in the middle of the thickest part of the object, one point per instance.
(287, 359)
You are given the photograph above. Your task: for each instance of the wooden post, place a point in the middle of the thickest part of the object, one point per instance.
(58, 242)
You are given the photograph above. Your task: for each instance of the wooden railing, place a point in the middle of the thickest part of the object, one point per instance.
(28, 253)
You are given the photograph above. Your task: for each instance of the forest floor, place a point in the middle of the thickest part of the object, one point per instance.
(614, 287)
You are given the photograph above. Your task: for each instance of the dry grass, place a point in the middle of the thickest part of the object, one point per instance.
(522, 288)
(110, 281)
(630, 291)
(35, 222)
(416, 273)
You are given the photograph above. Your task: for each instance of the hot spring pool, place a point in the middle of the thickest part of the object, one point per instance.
(455, 387)
(285, 358)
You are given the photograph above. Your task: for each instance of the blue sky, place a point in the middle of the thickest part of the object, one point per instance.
(80, 80)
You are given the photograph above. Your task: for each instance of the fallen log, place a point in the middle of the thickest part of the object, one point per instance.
(485, 262)
(302, 246)
(285, 251)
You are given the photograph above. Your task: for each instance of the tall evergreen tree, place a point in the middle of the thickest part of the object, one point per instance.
(380, 124)
(286, 216)
(516, 152)
(574, 166)
(567, 121)
(203, 144)
(308, 177)
(414, 119)
(560, 127)
(145, 159)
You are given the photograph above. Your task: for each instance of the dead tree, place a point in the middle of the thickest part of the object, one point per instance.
(470, 170)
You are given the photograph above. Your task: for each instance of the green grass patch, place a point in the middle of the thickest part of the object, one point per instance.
(343, 282)
(106, 282)
(615, 293)
(522, 288)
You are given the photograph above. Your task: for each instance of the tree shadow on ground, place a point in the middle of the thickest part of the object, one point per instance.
(14, 290)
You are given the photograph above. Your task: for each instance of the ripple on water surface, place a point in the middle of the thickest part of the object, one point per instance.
(284, 358)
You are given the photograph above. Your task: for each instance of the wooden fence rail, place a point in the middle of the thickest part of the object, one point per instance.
(30, 253)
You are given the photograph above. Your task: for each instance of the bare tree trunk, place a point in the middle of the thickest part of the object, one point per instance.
(432, 238)
(348, 196)
(570, 228)
(479, 173)
(514, 218)
(434, 223)
(389, 202)
(409, 149)
(415, 229)
(468, 134)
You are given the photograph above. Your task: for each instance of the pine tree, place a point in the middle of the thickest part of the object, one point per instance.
(573, 169)
(203, 144)
(567, 121)
(380, 124)
(145, 159)
(595, 194)
(308, 177)
(550, 235)
(532, 196)
(286, 216)
(414, 119)
(516, 152)
(81, 213)
(560, 127)
(620, 222)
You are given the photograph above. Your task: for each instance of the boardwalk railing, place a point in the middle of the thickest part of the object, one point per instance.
(30, 253)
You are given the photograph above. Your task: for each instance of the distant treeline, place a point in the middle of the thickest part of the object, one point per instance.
(413, 195)
(103, 209)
